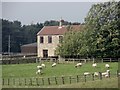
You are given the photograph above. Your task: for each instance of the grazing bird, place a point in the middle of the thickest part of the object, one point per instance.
(54, 64)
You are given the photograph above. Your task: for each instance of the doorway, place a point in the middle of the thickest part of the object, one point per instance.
(45, 53)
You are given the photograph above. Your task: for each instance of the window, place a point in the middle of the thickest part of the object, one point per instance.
(60, 39)
(41, 39)
(49, 39)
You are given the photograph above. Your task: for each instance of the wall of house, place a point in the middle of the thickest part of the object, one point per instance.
(49, 46)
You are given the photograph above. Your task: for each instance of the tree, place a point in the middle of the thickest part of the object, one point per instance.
(19, 34)
(71, 44)
(103, 22)
(99, 38)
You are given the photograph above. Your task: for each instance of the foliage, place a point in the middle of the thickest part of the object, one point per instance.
(100, 37)
(56, 23)
(14, 30)
(71, 43)
(103, 23)
(19, 34)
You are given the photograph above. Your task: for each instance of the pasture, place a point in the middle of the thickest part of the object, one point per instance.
(29, 70)
(67, 70)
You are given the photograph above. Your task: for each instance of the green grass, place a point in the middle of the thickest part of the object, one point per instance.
(29, 70)
(105, 83)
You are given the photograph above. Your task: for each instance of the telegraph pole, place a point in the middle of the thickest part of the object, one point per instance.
(9, 44)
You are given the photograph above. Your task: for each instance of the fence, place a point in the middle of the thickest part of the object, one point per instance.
(18, 60)
(35, 81)
(73, 60)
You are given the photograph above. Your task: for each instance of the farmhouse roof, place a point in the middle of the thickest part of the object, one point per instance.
(57, 30)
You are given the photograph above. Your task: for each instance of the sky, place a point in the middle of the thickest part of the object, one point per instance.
(33, 12)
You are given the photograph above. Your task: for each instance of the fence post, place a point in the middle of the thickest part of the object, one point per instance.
(25, 80)
(37, 81)
(49, 81)
(110, 59)
(55, 80)
(13, 81)
(63, 80)
(100, 75)
(18, 61)
(77, 78)
(42, 81)
(102, 60)
(19, 82)
(73, 60)
(109, 74)
(93, 76)
(85, 77)
(93, 60)
(3, 81)
(117, 73)
(36, 60)
(70, 79)
(30, 81)
(8, 81)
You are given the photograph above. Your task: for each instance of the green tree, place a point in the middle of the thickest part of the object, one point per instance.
(103, 23)
(19, 34)
(71, 44)
(99, 38)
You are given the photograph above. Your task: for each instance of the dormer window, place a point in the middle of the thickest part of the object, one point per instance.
(41, 39)
(49, 39)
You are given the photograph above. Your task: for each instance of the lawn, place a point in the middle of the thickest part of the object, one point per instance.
(29, 70)
(20, 72)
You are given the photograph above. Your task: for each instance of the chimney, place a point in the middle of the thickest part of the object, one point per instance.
(60, 23)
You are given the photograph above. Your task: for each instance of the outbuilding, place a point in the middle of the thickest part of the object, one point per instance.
(29, 48)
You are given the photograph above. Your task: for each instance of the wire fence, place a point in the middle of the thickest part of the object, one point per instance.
(45, 81)
(34, 59)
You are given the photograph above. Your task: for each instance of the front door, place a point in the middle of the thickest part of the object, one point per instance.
(45, 53)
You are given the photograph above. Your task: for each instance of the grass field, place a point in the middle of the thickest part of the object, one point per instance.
(105, 83)
(29, 70)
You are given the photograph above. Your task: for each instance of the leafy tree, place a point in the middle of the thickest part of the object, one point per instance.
(19, 34)
(71, 44)
(103, 22)
(56, 23)
(99, 38)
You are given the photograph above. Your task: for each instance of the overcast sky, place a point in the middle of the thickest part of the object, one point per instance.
(28, 12)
